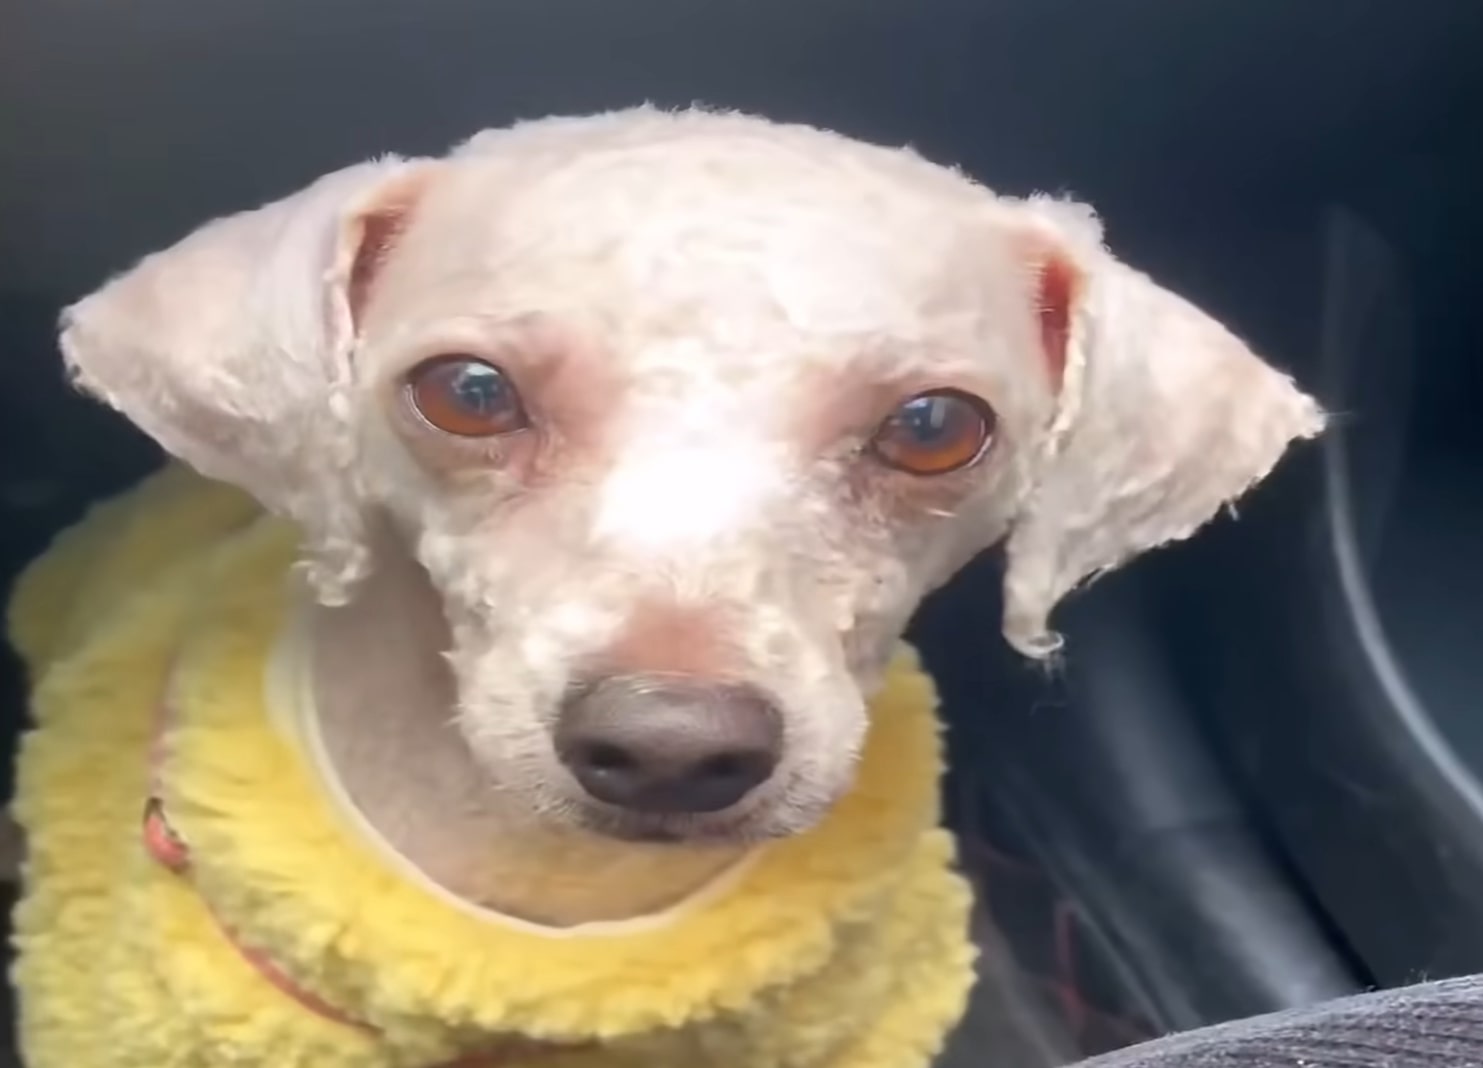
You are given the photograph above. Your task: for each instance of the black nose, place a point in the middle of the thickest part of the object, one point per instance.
(669, 744)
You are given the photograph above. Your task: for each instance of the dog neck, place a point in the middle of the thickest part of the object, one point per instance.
(378, 701)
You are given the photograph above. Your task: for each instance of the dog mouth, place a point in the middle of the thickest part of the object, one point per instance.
(749, 824)
(647, 829)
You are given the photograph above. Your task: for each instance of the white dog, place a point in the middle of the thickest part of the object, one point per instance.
(629, 444)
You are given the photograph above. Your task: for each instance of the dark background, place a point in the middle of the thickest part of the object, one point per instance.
(1252, 786)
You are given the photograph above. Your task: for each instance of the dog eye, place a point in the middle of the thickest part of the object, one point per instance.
(934, 433)
(465, 396)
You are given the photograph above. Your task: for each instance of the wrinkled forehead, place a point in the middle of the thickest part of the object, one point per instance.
(740, 247)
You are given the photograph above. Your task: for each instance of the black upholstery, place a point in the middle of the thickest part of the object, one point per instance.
(1436, 1025)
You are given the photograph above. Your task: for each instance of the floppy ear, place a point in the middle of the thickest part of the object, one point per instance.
(1164, 417)
(233, 349)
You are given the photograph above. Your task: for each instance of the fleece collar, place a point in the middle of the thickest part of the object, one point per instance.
(844, 946)
(271, 857)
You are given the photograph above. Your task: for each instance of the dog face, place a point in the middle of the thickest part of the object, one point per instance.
(683, 414)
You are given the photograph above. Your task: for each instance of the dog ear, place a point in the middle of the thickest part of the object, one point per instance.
(233, 349)
(1163, 417)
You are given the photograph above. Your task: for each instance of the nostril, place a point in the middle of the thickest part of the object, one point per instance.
(721, 781)
(752, 767)
(724, 766)
(603, 756)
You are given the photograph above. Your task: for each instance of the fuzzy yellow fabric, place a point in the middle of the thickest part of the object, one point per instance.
(845, 947)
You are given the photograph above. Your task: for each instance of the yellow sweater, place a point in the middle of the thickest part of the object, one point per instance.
(845, 947)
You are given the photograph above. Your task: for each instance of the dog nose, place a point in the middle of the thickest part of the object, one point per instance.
(672, 745)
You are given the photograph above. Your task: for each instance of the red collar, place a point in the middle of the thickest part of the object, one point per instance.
(170, 850)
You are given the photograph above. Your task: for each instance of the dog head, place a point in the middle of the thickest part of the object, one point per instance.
(682, 415)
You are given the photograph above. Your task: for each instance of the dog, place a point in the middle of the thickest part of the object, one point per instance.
(610, 457)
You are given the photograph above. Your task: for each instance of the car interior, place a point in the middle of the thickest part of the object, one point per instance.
(1254, 783)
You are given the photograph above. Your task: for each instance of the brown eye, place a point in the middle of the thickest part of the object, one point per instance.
(934, 433)
(465, 396)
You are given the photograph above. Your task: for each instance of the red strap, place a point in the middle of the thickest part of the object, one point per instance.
(171, 851)
(161, 841)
